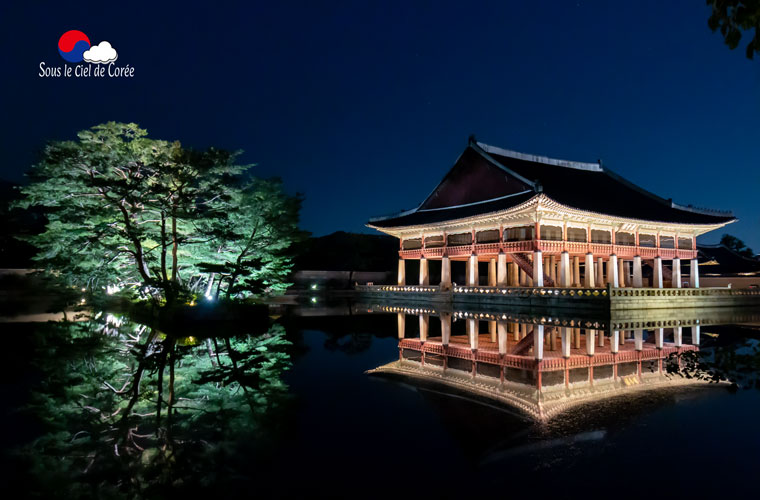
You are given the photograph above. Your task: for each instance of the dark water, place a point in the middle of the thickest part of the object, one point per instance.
(341, 433)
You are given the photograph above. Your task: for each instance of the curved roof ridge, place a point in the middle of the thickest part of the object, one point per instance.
(594, 167)
(702, 210)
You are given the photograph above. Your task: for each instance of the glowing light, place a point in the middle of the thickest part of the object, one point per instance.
(313, 300)
(313, 286)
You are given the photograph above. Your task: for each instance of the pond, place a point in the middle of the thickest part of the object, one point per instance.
(293, 412)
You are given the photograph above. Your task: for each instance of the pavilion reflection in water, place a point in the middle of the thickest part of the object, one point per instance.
(543, 364)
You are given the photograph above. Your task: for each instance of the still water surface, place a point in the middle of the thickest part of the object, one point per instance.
(338, 432)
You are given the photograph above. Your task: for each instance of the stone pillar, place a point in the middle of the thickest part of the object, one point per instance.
(600, 342)
(522, 278)
(424, 274)
(676, 273)
(501, 333)
(678, 336)
(401, 324)
(695, 331)
(657, 273)
(590, 341)
(492, 272)
(627, 273)
(576, 271)
(445, 328)
(659, 333)
(621, 274)
(445, 273)
(564, 269)
(637, 280)
(473, 333)
(614, 341)
(622, 337)
(588, 280)
(538, 342)
(424, 327)
(513, 274)
(501, 271)
(565, 333)
(694, 274)
(638, 339)
(538, 269)
(577, 335)
(492, 330)
(401, 272)
(600, 272)
(553, 268)
(612, 272)
(472, 269)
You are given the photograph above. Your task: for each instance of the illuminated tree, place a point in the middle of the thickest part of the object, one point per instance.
(149, 218)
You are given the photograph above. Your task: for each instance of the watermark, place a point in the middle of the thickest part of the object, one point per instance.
(84, 60)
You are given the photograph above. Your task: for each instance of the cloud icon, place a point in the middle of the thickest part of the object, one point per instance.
(101, 53)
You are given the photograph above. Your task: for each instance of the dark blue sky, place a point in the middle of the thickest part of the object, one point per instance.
(363, 106)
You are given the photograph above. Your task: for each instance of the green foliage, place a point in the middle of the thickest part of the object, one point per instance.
(154, 220)
(131, 412)
(737, 363)
(732, 17)
(737, 246)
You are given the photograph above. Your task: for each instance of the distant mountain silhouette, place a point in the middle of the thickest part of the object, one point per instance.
(341, 251)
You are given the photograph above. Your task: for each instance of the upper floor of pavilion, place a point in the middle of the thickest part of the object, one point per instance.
(490, 189)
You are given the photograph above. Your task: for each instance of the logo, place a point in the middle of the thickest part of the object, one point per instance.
(75, 48)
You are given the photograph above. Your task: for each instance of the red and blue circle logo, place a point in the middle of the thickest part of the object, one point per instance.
(72, 45)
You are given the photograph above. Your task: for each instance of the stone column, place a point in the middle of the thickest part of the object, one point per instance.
(513, 274)
(600, 272)
(473, 333)
(401, 272)
(600, 342)
(637, 280)
(577, 335)
(538, 342)
(565, 333)
(445, 328)
(622, 337)
(564, 269)
(676, 273)
(638, 339)
(659, 333)
(695, 331)
(657, 273)
(538, 269)
(472, 268)
(627, 273)
(614, 341)
(521, 279)
(492, 272)
(678, 336)
(401, 324)
(590, 341)
(445, 273)
(492, 330)
(612, 272)
(576, 271)
(501, 332)
(424, 274)
(501, 271)
(694, 274)
(588, 280)
(621, 274)
(424, 327)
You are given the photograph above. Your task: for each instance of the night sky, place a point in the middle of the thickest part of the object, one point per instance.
(364, 106)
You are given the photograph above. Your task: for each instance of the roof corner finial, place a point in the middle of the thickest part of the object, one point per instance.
(472, 140)
(599, 161)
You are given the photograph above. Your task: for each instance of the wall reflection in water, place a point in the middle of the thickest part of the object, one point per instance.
(543, 363)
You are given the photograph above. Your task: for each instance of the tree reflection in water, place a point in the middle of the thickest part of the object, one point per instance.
(129, 410)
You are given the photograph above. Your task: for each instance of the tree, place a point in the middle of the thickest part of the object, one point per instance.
(150, 218)
(737, 245)
(732, 17)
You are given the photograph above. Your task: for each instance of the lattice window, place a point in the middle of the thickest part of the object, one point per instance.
(459, 239)
(576, 234)
(601, 236)
(522, 233)
(551, 233)
(434, 241)
(627, 239)
(647, 240)
(412, 244)
(667, 242)
(489, 236)
(685, 244)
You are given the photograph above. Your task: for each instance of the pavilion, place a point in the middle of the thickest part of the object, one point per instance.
(545, 222)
